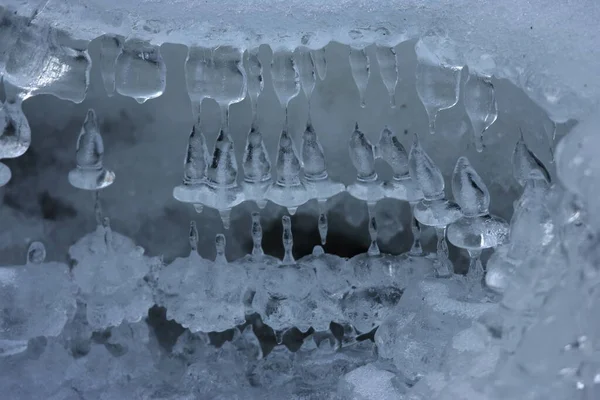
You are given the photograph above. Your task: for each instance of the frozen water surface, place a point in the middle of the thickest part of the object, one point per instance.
(422, 293)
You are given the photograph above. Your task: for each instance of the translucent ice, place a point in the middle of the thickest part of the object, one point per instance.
(434, 210)
(477, 230)
(437, 83)
(317, 180)
(15, 134)
(288, 190)
(109, 272)
(90, 173)
(306, 70)
(361, 70)
(110, 48)
(254, 74)
(424, 171)
(388, 68)
(257, 167)
(37, 299)
(480, 105)
(320, 62)
(468, 189)
(140, 71)
(285, 76)
(525, 162)
(367, 186)
(46, 61)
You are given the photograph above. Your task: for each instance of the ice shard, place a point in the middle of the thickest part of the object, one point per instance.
(388, 69)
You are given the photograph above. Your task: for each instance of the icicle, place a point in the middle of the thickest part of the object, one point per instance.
(225, 215)
(36, 254)
(525, 163)
(193, 237)
(323, 223)
(424, 171)
(388, 68)
(415, 227)
(361, 70)
(285, 76)
(90, 173)
(220, 243)
(480, 105)
(140, 71)
(98, 208)
(288, 240)
(254, 74)
(475, 273)
(318, 251)
(362, 156)
(444, 266)
(110, 49)
(108, 234)
(257, 235)
(469, 190)
(373, 248)
(437, 84)
(320, 62)
(306, 68)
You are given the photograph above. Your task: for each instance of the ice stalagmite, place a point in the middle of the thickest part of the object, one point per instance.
(90, 173)
(288, 190)
(434, 210)
(477, 229)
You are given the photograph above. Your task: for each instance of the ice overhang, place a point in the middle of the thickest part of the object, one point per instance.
(548, 48)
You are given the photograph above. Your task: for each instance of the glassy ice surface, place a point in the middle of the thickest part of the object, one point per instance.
(480, 105)
(437, 84)
(424, 171)
(361, 70)
(110, 48)
(140, 71)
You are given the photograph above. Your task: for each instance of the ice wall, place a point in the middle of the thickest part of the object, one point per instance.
(548, 48)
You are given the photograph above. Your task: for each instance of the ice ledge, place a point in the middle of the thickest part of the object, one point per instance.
(547, 48)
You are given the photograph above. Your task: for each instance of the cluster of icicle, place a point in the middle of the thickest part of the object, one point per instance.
(118, 283)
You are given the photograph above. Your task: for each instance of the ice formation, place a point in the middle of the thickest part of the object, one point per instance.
(118, 323)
